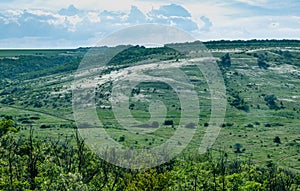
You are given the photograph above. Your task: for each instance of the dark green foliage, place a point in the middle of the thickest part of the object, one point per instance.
(238, 147)
(122, 138)
(225, 60)
(140, 53)
(59, 164)
(261, 61)
(250, 126)
(239, 102)
(277, 140)
(271, 101)
(168, 122)
(251, 44)
(7, 125)
(267, 125)
(36, 66)
(131, 106)
(7, 100)
(45, 126)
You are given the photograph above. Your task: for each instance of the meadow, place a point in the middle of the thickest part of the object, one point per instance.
(261, 124)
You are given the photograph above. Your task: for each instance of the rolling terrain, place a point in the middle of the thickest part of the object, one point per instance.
(261, 78)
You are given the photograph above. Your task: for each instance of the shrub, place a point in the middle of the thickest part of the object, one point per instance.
(277, 140)
(226, 60)
(267, 125)
(238, 147)
(122, 138)
(169, 122)
(45, 126)
(270, 101)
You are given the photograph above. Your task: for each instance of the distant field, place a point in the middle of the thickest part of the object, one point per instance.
(33, 52)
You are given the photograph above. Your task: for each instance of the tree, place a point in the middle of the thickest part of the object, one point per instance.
(10, 162)
(151, 180)
(168, 122)
(271, 101)
(277, 140)
(238, 147)
(226, 60)
(261, 62)
(238, 102)
(122, 138)
(7, 125)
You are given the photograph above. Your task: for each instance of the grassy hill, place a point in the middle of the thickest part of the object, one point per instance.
(261, 78)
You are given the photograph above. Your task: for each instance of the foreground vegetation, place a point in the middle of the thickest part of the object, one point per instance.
(65, 163)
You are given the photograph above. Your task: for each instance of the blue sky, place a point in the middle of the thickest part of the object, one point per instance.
(69, 23)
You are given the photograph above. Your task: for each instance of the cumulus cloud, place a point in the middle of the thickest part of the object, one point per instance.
(174, 15)
(76, 25)
(207, 23)
(172, 10)
(136, 16)
(79, 26)
(70, 11)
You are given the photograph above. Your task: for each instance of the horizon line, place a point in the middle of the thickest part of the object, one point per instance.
(208, 41)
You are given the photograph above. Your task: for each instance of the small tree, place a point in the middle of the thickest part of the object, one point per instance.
(168, 122)
(226, 60)
(261, 62)
(7, 125)
(271, 101)
(238, 147)
(277, 140)
(122, 138)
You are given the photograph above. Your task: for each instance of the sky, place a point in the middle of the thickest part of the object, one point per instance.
(74, 23)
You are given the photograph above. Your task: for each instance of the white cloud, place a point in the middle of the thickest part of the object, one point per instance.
(207, 24)
(57, 20)
(91, 19)
(15, 13)
(254, 2)
(39, 12)
(94, 17)
(73, 21)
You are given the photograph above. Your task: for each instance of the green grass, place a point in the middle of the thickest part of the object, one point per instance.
(34, 52)
(52, 88)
